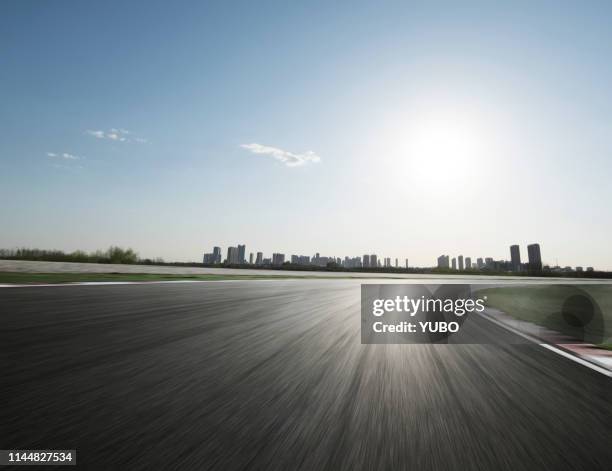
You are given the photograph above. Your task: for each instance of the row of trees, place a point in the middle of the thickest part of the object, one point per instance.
(112, 255)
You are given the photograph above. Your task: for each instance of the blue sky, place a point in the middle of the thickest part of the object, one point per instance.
(406, 129)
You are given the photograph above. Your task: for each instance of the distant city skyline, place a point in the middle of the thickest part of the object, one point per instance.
(459, 263)
(410, 129)
(533, 264)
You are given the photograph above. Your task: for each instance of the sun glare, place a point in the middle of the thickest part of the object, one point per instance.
(442, 150)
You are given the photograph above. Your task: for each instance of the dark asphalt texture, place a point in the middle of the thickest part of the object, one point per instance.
(272, 375)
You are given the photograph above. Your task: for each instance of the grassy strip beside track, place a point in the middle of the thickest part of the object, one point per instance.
(557, 307)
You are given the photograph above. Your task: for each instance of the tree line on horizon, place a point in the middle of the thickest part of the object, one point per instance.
(112, 255)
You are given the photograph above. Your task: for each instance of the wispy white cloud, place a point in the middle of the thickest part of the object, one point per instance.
(115, 134)
(64, 156)
(98, 134)
(288, 158)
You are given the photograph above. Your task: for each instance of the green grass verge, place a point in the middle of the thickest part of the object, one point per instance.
(555, 307)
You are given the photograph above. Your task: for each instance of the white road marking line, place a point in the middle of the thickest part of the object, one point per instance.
(102, 283)
(552, 348)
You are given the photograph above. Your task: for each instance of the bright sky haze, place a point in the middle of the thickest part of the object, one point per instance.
(404, 129)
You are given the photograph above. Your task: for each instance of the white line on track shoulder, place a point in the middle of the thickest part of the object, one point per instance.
(552, 348)
(102, 283)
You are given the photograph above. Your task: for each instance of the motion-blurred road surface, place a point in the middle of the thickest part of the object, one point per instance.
(272, 375)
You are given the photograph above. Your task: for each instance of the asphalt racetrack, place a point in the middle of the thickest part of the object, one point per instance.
(272, 375)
